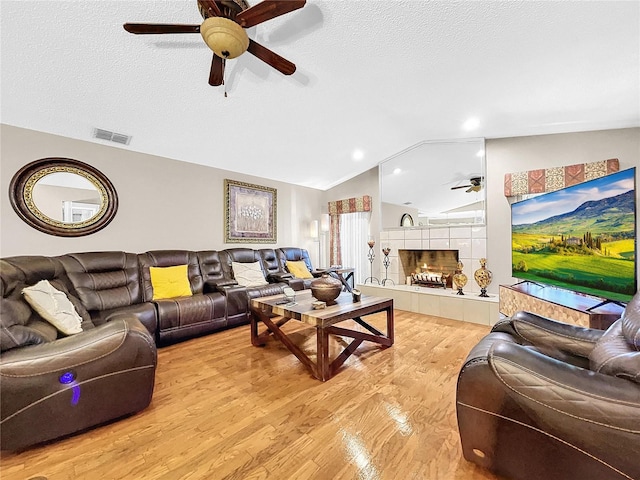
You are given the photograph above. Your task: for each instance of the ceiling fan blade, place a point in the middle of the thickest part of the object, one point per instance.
(156, 28)
(266, 10)
(276, 61)
(210, 7)
(216, 76)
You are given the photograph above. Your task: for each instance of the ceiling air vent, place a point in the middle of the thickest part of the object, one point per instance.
(111, 136)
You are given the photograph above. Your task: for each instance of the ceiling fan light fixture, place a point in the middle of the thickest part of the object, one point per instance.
(225, 37)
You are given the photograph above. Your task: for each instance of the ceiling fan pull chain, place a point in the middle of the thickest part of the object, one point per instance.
(224, 62)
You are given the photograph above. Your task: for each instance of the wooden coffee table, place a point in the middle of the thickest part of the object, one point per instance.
(271, 312)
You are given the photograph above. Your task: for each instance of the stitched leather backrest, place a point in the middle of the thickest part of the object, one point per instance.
(614, 355)
(631, 322)
(104, 280)
(169, 258)
(34, 268)
(210, 265)
(270, 261)
(243, 255)
(293, 254)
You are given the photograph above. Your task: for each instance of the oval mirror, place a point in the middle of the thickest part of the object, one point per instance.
(63, 197)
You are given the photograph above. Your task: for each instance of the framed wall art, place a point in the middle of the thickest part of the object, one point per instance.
(250, 213)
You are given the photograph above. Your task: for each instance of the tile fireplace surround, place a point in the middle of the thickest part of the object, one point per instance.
(470, 242)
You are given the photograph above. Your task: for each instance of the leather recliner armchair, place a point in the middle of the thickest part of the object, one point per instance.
(51, 387)
(537, 398)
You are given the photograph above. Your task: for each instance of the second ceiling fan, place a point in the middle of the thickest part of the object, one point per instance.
(475, 185)
(223, 31)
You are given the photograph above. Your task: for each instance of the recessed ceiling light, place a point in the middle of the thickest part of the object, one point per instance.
(471, 124)
(397, 170)
(357, 154)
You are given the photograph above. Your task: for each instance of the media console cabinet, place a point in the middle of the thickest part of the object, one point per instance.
(562, 305)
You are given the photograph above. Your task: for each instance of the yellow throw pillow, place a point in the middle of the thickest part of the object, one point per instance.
(299, 269)
(170, 282)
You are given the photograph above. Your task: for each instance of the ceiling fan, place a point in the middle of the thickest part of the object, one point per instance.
(475, 185)
(223, 31)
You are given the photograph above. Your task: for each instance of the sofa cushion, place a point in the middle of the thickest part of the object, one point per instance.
(54, 306)
(299, 269)
(170, 282)
(183, 317)
(145, 312)
(34, 332)
(248, 274)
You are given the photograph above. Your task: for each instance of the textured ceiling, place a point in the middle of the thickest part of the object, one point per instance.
(378, 76)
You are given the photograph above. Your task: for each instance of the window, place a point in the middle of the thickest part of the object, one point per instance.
(354, 234)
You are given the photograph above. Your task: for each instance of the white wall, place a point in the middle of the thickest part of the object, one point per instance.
(163, 203)
(392, 214)
(169, 204)
(506, 155)
(509, 155)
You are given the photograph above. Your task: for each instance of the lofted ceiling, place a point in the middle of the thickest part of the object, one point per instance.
(372, 76)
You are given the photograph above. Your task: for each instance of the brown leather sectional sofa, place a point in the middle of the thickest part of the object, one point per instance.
(54, 385)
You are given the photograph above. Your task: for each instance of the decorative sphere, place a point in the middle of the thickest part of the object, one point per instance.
(483, 276)
(460, 280)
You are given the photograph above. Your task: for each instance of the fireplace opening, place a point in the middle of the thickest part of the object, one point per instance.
(429, 268)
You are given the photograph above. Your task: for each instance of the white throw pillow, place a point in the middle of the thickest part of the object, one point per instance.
(248, 274)
(54, 306)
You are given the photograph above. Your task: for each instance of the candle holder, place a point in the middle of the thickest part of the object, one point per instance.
(371, 256)
(386, 262)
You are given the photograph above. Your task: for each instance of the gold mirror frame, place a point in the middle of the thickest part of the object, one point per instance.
(21, 196)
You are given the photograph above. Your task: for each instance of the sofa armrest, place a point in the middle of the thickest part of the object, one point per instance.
(57, 388)
(547, 333)
(279, 277)
(318, 272)
(218, 285)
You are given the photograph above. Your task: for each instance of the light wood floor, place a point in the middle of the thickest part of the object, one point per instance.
(223, 409)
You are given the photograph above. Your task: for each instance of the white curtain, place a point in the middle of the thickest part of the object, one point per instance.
(354, 234)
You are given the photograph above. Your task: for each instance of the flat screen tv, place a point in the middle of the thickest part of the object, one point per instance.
(580, 238)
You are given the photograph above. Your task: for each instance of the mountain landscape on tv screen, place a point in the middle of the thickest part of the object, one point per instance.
(590, 249)
(613, 215)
